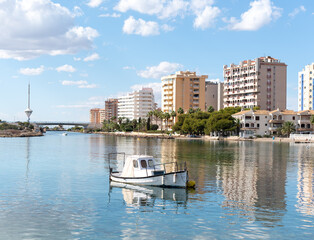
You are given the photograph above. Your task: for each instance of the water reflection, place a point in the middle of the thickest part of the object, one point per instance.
(146, 198)
(305, 194)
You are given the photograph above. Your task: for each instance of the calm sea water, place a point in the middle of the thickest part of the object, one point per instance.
(57, 187)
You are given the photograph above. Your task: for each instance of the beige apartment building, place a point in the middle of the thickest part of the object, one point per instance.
(183, 89)
(111, 109)
(256, 83)
(96, 116)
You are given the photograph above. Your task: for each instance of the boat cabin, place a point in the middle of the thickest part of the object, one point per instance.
(140, 166)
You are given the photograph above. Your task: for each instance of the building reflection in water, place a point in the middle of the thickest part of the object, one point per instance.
(305, 194)
(255, 181)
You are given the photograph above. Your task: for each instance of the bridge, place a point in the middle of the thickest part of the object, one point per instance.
(56, 123)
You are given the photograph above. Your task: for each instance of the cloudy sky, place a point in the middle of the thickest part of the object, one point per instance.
(77, 53)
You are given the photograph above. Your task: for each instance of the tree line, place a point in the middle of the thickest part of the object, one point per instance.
(194, 121)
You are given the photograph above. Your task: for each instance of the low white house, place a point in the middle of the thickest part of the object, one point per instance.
(262, 122)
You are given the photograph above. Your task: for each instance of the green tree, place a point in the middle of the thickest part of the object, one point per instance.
(221, 122)
(180, 110)
(312, 119)
(210, 109)
(191, 110)
(173, 115)
(287, 128)
(167, 117)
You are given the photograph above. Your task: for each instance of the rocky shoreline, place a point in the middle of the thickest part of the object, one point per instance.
(19, 133)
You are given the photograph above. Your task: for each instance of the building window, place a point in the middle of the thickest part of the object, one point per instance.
(258, 125)
(265, 124)
(293, 118)
(257, 118)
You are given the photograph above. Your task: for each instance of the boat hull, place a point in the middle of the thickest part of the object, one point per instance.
(174, 179)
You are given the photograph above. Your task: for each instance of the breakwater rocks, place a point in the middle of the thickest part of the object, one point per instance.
(137, 135)
(19, 133)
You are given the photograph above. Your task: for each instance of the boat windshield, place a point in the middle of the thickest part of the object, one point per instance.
(150, 163)
(143, 164)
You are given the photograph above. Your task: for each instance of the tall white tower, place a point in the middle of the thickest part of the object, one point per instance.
(29, 111)
(306, 88)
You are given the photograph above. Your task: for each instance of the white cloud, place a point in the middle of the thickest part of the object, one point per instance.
(143, 6)
(79, 84)
(29, 29)
(173, 9)
(296, 11)
(113, 15)
(32, 71)
(128, 68)
(88, 86)
(77, 12)
(163, 69)
(216, 80)
(161, 8)
(206, 18)
(140, 27)
(74, 83)
(156, 89)
(262, 12)
(66, 68)
(92, 57)
(77, 59)
(167, 28)
(94, 3)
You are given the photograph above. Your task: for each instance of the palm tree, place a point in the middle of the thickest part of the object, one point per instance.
(173, 115)
(287, 128)
(167, 116)
(155, 114)
(149, 116)
(160, 115)
(180, 110)
(120, 119)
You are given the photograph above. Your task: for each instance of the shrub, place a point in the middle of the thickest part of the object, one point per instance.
(154, 127)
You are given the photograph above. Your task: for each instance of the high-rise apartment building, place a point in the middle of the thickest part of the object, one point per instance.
(94, 116)
(111, 109)
(306, 88)
(183, 89)
(137, 104)
(214, 95)
(256, 83)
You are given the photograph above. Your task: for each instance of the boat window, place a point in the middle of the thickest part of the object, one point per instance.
(135, 164)
(150, 163)
(143, 164)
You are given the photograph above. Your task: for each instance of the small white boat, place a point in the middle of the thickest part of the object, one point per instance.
(142, 170)
(64, 134)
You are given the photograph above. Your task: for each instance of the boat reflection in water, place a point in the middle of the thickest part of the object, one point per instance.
(141, 196)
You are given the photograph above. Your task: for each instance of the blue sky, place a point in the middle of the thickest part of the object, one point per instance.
(78, 53)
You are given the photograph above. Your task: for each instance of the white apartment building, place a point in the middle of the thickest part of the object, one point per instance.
(262, 122)
(306, 88)
(256, 83)
(137, 104)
